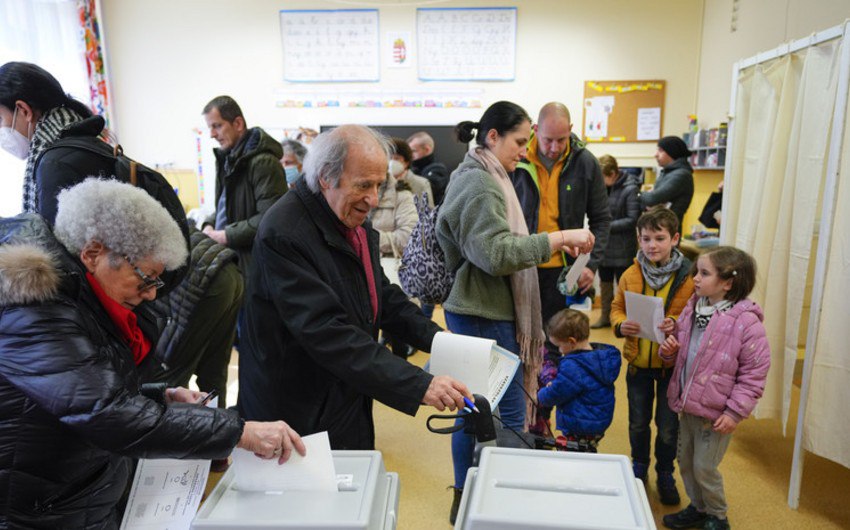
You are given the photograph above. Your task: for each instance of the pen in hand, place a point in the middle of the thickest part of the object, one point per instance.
(470, 404)
(206, 399)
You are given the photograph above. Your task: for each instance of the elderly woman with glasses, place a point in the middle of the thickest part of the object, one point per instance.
(73, 413)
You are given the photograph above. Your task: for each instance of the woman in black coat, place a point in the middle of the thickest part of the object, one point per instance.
(73, 413)
(622, 245)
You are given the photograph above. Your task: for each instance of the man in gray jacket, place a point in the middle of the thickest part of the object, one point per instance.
(674, 186)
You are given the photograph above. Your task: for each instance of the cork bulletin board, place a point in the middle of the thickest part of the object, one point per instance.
(623, 111)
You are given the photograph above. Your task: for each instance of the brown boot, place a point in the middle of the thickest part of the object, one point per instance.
(606, 297)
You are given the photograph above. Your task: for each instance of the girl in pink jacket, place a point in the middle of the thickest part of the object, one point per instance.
(722, 356)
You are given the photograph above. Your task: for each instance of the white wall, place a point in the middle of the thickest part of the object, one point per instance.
(168, 58)
(762, 25)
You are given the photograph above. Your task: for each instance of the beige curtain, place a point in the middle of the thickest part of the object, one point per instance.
(827, 430)
(783, 111)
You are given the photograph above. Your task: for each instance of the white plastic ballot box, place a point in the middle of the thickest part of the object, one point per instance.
(368, 501)
(514, 489)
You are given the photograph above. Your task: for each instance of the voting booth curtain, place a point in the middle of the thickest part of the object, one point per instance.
(783, 180)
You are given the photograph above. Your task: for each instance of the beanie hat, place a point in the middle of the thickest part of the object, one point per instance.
(674, 146)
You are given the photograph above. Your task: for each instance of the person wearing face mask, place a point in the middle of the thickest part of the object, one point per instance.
(292, 160)
(34, 113)
(400, 169)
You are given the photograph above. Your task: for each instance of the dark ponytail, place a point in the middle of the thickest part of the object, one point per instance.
(504, 116)
(37, 87)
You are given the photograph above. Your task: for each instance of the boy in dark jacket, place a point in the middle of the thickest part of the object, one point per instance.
(583, 389)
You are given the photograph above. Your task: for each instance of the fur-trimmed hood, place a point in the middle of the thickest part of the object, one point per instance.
(28, 274)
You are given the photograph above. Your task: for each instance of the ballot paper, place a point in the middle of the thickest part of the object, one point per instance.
(575, 271)
(314, 472)
(166, 493)
(482, 365)
(648, 311)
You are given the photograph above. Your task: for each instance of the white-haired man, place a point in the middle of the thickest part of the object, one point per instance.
(317, 298)
(424, 164)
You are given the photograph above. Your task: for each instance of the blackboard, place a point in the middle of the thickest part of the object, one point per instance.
(446, 148)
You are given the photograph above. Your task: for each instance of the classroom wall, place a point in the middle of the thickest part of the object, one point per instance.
(167, 59)
(762, 25)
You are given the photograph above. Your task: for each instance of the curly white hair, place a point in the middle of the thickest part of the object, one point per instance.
(122, 217)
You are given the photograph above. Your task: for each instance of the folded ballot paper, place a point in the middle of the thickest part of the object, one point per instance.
(314, 472)
(648, 311)
(484, 366)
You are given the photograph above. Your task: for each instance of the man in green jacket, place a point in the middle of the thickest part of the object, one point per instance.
(249, 178)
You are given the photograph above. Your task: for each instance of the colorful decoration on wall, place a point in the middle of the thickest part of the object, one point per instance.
(98, 86)
(437, 99)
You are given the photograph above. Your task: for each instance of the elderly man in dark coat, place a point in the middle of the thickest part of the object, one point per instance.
(317, 297)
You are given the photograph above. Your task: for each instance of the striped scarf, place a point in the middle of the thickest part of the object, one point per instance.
(48, 129)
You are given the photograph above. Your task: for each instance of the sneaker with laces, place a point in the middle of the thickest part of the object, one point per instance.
(667, 490)
(690, 517)
(715, 523)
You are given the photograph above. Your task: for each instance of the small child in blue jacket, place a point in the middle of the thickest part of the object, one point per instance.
(583, 389)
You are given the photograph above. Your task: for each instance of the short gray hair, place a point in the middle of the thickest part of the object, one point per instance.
(295, 147)
(123, 218)
(328, 152)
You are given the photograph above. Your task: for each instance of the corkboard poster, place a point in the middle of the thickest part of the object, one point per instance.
(623, 111)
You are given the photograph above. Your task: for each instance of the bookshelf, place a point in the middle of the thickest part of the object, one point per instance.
(708, 147)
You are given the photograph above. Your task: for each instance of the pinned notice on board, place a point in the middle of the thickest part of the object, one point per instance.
(649, 124)
(623, 111)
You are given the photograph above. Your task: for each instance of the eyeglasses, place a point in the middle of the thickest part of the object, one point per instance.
(148, 283)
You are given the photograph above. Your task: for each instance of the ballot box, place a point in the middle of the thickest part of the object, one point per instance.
(367, 498)
(536, 490)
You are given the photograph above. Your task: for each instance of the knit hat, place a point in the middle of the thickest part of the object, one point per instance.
(674, 146)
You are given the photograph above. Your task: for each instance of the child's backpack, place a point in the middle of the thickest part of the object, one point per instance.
(422, 272)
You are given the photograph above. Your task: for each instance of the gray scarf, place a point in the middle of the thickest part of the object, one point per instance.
(658, 276)
(47, 130)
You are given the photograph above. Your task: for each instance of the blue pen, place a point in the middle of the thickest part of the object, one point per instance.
(470, 404)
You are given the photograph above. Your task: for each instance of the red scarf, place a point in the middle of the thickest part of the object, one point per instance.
(356, 237)
(124, 320)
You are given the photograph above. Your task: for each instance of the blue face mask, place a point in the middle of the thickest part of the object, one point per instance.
(292, 174)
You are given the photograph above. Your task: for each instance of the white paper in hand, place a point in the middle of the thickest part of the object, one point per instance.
(314, 472)
(648, 311)
(575, 271)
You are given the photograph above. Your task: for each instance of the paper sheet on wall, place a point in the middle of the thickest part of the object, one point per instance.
(648, 311)
(484, 366)
(649, 124)
(166, 493)
(596, 111)
(314, 472)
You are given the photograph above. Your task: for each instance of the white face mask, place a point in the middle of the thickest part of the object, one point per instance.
(396, 168)
(14, 142)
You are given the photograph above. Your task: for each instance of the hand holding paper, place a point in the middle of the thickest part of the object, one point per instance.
(647, 312)
(314, 472)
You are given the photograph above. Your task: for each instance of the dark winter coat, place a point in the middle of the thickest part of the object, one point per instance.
(310, 355)
(206, 259)
(624, 206)
(581, 192)
(674, 185)
(254, 182)
(436, 172)
(583, 391)
(71, 413)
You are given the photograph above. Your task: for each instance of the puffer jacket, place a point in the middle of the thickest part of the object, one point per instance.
(674, 185)
(632, 280)
(206, 259)
(71, 412)
(625, 209)
(583, 390)
(394, 217)
(730, 367)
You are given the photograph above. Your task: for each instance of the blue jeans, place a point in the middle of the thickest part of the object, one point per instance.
(427, 310)
(645, 385)
(512, 406)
